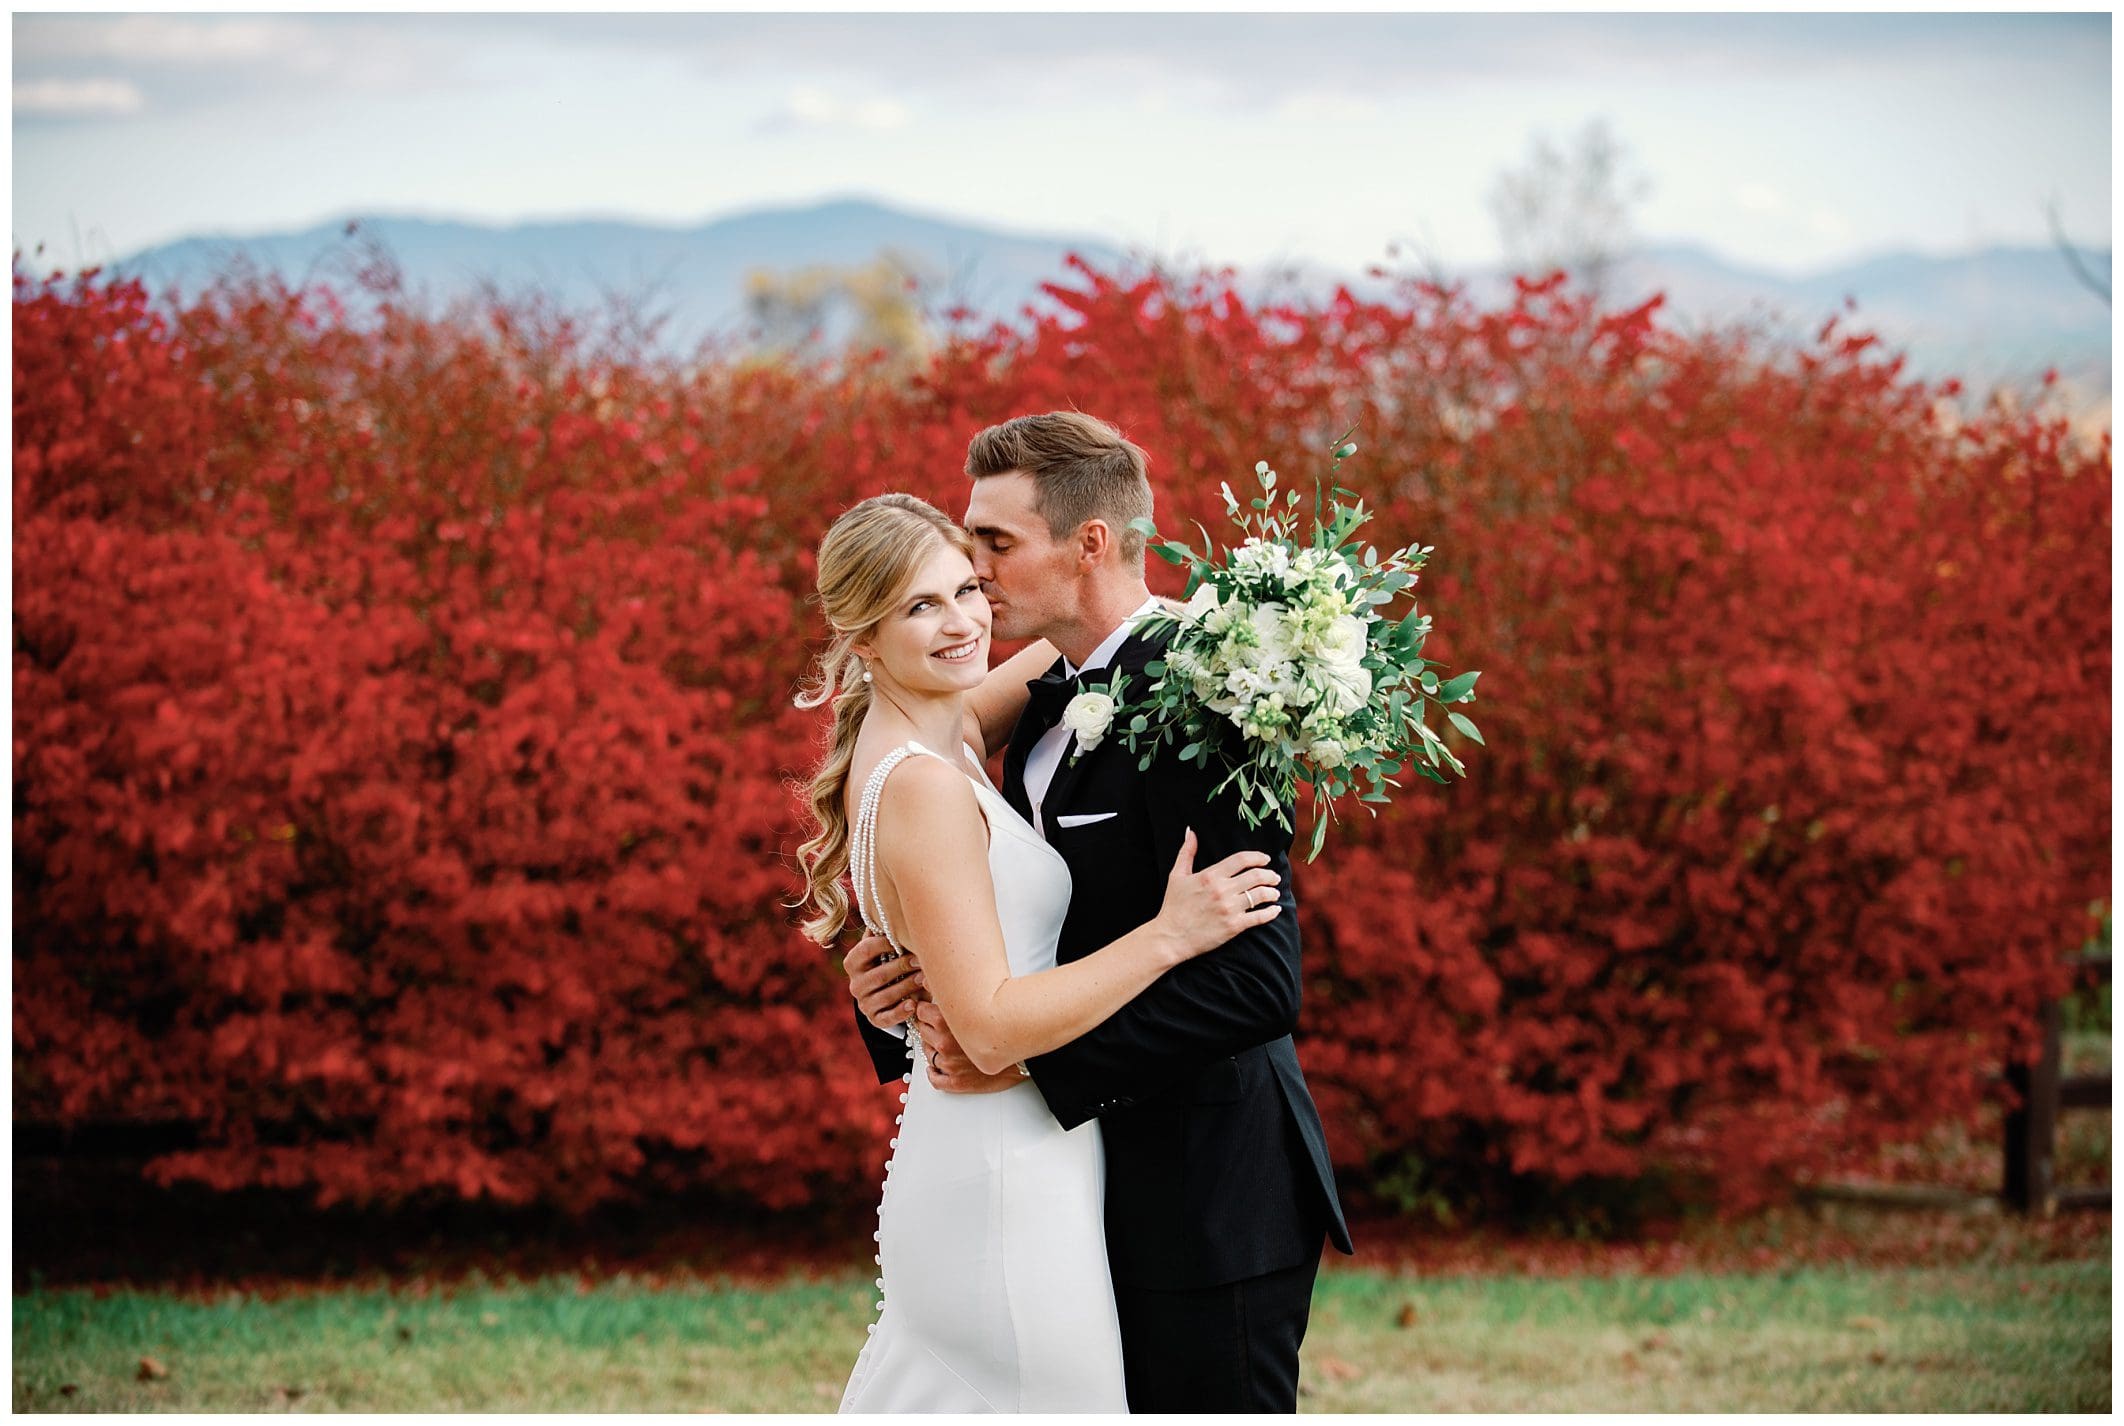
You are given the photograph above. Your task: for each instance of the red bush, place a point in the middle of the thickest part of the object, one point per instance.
(403, 727)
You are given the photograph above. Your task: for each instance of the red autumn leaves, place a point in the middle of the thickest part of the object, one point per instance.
(403, 731)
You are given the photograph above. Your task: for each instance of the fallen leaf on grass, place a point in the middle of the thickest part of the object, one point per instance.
(405, 1334)
(1407, 1316)
(151, 1370)
(1630, 1362)
(1876, 1356)
(1865, 1322)
(490, 1319)
(1336, 1369)
(1657, 1340)
(67, 1388)
(825, 1389)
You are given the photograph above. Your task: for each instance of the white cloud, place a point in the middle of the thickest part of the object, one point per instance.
(1828, 223)
(187, 61)
(809, 107)
(161, 39)
(77, 98)
(1322, 107)
(1759, 198)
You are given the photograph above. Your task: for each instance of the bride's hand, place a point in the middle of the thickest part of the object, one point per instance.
(949, 1069)
(1204, 909)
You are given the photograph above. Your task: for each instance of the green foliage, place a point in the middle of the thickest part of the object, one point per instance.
(1286, 667)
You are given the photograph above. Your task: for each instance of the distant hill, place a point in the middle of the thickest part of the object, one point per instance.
(695, 274)
(2001, 314)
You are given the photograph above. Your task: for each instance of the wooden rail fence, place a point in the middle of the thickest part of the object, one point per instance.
(2030, 1184)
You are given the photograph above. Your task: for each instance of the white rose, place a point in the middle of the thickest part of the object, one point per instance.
(1089, 715)
(1202, 605)
(1272, 635)
(1327, 753)
(1345, 688)
(1344, 642)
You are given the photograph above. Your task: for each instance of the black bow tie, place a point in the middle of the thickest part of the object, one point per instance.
(1051, 693)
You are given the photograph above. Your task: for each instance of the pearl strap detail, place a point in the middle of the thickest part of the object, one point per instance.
(863, 865)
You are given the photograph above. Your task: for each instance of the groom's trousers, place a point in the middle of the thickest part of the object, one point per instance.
(1233, 1347)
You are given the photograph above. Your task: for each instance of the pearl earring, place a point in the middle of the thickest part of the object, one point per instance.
(866, 675)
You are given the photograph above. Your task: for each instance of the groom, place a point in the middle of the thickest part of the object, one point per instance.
(1218, 1190)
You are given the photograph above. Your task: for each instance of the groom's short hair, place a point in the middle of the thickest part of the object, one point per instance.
(1081, 468)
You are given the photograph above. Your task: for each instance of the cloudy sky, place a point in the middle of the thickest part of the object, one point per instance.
(1790, 141)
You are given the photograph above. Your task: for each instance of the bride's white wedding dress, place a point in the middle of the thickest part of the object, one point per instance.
(993, 1284)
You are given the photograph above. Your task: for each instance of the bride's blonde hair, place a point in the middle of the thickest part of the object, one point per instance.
(868, 557)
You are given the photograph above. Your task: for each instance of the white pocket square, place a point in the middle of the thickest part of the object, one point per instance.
(1083, 819)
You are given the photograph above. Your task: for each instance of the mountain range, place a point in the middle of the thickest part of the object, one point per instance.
(1998, 315)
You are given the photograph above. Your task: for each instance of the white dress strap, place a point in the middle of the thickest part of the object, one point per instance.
(863, 865)
(863, 839)
(863, 845)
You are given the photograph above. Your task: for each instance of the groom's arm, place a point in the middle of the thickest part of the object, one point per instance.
(1244, 993)
(887, 1052)
(881, 985)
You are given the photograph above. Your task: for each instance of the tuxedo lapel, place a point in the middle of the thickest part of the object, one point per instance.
(1067, 774)
(1129, 660)
(1032, 726)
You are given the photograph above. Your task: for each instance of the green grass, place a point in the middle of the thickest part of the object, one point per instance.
(1813, 1339)
(1995, 1337)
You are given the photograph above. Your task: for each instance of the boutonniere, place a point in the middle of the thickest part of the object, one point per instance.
(1091, 713)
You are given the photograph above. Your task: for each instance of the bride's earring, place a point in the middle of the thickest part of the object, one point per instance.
(866, 673)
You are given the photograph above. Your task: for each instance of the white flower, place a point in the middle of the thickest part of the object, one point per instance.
(1272, 636)
(1344, 642)
(1185, 663)
(1262, 558)
(1089, 715)
(1326, 753)
(1202, 605)
(1345, 688)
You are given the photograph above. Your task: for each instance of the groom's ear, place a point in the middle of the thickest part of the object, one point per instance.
(1095, 544)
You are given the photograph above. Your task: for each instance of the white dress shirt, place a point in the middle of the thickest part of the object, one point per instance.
(1046, 755)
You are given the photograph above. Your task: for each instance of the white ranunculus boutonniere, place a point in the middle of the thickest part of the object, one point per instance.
(1090, 714)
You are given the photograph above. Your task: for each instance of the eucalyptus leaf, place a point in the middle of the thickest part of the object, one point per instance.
(1455, 687)
(1462, 722)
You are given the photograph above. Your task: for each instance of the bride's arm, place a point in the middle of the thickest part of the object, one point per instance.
(992, 709)
(936, 867)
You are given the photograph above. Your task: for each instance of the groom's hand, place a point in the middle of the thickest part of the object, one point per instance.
(885, 988)
(949, 1069)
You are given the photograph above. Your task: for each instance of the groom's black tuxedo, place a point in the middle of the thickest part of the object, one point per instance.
(1216, 1166)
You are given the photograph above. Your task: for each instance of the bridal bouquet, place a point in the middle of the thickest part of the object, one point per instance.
(1286, 638)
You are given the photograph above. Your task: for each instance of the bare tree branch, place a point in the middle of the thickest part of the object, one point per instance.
(2080, 269)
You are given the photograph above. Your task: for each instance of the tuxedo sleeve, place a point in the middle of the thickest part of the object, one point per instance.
(1244, 993)
(888, 1052)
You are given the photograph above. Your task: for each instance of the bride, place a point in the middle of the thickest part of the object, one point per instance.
(993, 1284)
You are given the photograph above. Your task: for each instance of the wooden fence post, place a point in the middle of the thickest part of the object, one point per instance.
(2031, 1181)
(2032, 1125)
